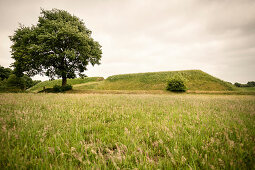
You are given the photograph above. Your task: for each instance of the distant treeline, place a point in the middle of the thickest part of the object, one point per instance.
(10, 82)
(249, 84)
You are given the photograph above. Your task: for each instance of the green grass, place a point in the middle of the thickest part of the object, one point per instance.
(245, 89)
(50, 84)
(194, 80)
(106, 131)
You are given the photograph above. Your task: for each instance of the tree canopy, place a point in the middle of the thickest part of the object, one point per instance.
(59, 45)
(11, 82)
(5, 72)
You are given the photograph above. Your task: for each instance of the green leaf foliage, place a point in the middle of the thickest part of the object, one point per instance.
(58, 88)
(248, 84)
(5, 72)
(16, 82)
(176, 85)
(238, 84)
(11, 82)
(58, 46)
(251, 83)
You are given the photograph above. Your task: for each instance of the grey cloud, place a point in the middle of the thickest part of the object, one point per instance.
(216, 36)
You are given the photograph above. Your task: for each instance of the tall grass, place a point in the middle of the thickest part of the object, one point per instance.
(70, 131)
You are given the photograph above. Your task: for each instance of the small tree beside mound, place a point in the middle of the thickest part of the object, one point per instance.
(176, 85)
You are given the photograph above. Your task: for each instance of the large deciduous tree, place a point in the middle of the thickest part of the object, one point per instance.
(59, 45)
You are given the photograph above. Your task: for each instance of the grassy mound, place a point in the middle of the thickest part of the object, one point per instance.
(194, 80)
(50, 84)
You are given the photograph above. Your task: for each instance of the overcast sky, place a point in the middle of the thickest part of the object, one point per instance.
(216, 36)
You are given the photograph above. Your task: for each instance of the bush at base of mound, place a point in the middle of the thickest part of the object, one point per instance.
(176, 85)
(58, 88)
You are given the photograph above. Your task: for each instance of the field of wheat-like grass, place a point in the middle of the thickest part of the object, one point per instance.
(144, 131)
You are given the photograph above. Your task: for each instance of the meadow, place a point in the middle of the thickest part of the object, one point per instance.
(127, 131)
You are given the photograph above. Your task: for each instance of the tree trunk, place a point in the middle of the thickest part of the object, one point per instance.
(64, 79)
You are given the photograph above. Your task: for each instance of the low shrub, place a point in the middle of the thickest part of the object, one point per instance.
(249, 84)
(66, 87)
(238, 84)
(176, 85)
(58, 88)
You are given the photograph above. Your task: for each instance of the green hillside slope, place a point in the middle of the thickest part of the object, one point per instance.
(194, 80)
(50, 84)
